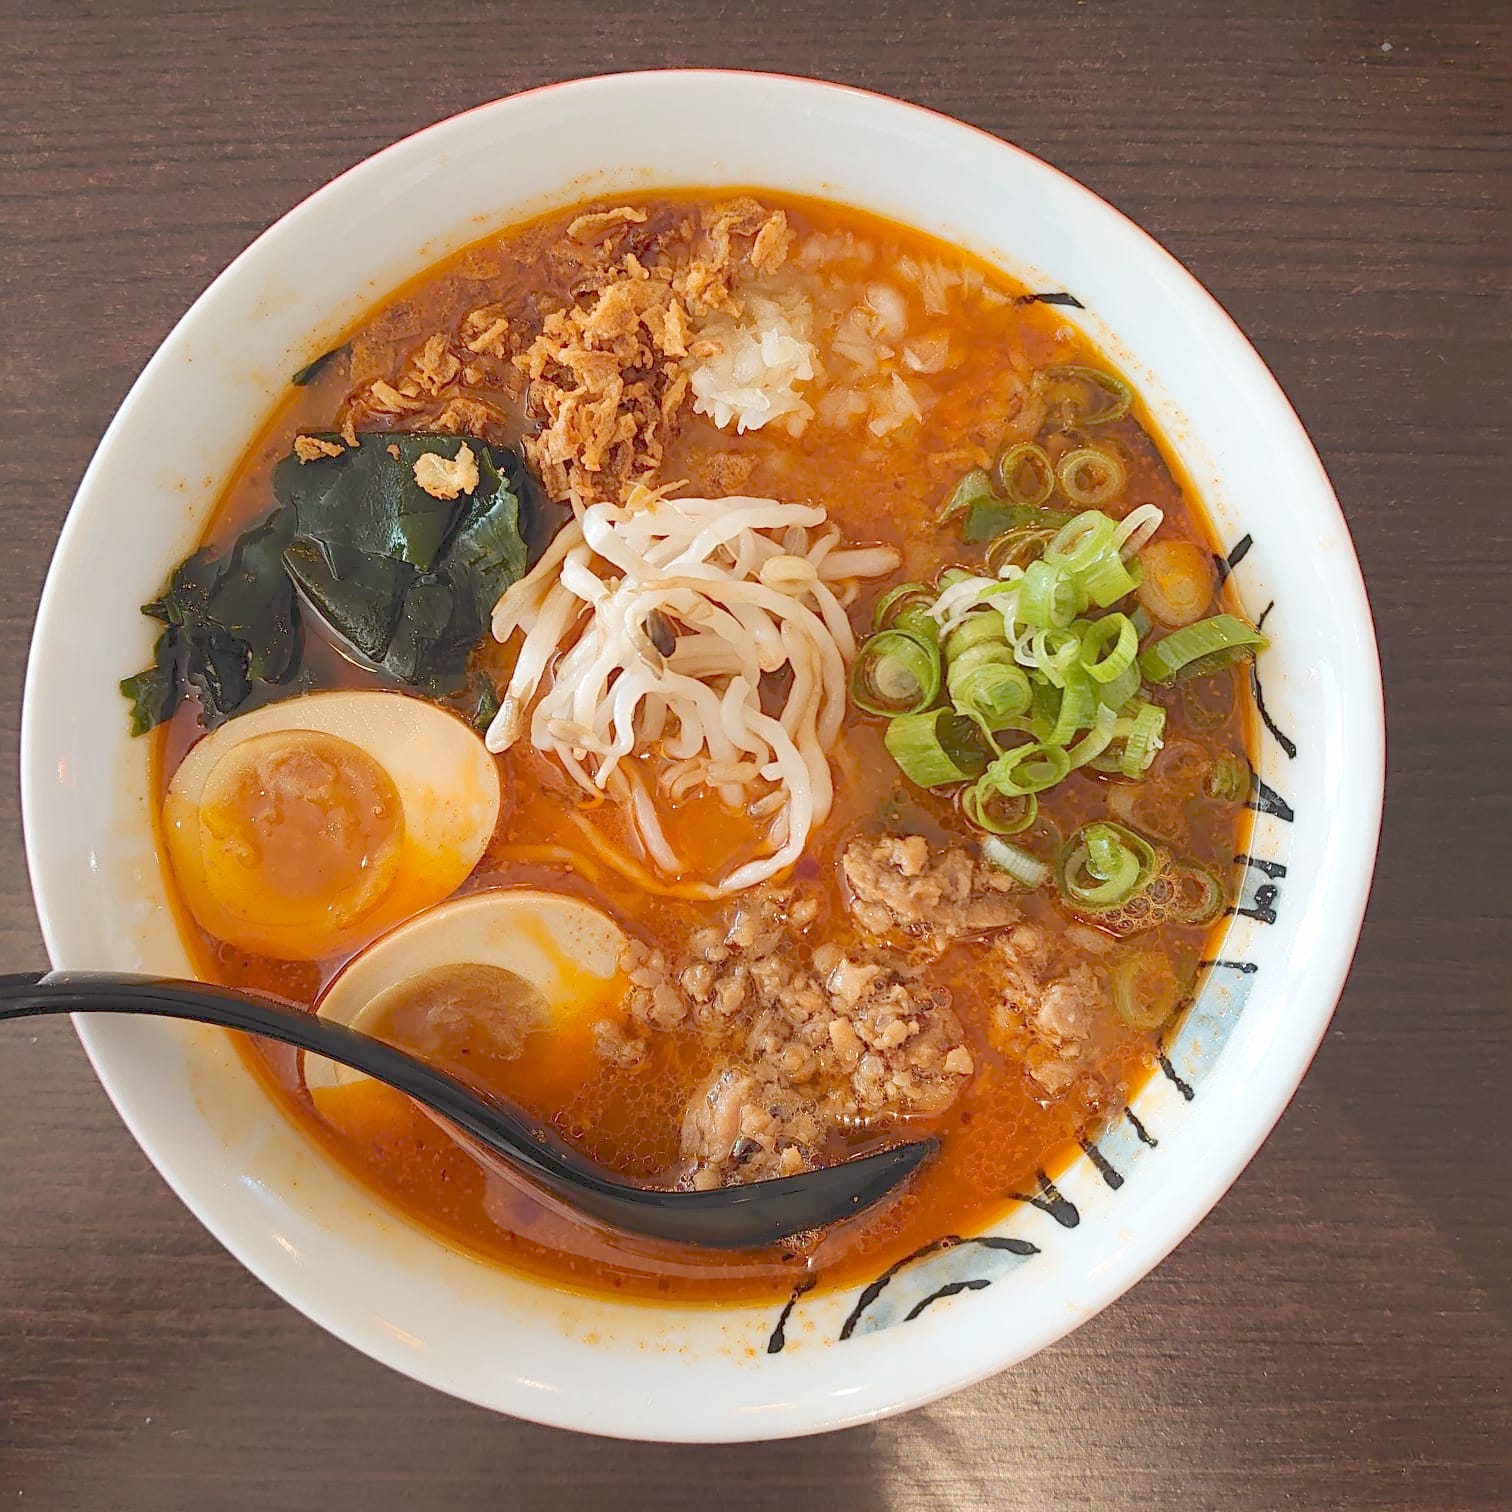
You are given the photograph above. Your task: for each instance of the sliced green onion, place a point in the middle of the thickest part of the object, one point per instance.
(1081, 541)
(1110, 396)
(975, 488)
(1179, 581)
(1142, 743)
(1029, 769)
(1117, 691)
(1110, 578)
(990, 692)
(1096, 740)
(981, 627)
(996, 812)
(1023, 866)
(1055, 653)
(1045, 709)
(1229, 779)
(1136, 528)
(936, 747)
(1197, 649)
(1089, 475)
(1108, 647)
(1104, 864)
(1017, 548)
(1078, 707)
(895, 673)
(907, 608)
(1146, 990)
(1199, 897)
(1027, 474)
(1112, 754)
(1048, 596)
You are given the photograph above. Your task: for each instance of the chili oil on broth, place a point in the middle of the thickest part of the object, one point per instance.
(1001, 1131)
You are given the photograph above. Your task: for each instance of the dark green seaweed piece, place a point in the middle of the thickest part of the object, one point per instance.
(406, 579)
(231, 624)
(312, 370)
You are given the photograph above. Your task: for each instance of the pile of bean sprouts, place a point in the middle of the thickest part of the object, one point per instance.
(653, 627)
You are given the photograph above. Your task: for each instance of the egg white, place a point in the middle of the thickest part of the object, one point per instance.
(569, 951)
(448, 785)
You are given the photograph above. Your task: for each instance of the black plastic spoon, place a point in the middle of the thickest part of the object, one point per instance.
(738, 1217)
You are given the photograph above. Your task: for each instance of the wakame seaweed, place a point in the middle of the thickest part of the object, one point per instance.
(231, 623)
(407, 579)
(312, 370)
(1059, 297)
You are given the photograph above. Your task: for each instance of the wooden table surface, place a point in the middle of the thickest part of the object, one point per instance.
(1337, 1333)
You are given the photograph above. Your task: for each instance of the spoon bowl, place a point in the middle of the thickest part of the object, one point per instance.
(740, 1217)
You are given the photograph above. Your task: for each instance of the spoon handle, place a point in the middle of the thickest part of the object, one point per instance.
(738, 1217)
(536, 1148)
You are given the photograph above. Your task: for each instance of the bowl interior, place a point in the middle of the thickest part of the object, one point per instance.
(951, 1315)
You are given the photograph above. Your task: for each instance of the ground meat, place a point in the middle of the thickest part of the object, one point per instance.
(819, 1040)
(654, 1002)
(1054, 1024)
(899, 888)
(747, 1126)
(614, 1045)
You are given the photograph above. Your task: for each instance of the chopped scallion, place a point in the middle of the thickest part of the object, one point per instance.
(1089, 476)
(1023, 866)
(980, 627)
(1108, 647)
(1105, 864)
(1029, 768)
(1017, 548)
(1027, 474)
(906, 607)
(975, 488)
(936, 747)
(895, 673)
(1146, 989)
(1048, 596)
(1219, 641)
(1142, 744)
(996, 812)
(989, 692)
(1085, 396)
(1229, 779)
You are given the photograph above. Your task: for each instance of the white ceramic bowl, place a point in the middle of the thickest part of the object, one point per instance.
(322, 1241)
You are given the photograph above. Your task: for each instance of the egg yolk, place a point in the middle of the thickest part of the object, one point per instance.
(298, 826)
(458, 1015)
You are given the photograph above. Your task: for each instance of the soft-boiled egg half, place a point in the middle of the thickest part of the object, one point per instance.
(470, 982)
(312, 825)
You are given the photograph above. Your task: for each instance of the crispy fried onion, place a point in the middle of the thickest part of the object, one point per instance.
(653, 628)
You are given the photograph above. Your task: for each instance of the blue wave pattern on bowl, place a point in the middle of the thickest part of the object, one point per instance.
(955, 1266)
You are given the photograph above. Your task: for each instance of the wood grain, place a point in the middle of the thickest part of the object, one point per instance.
(1338, 1333)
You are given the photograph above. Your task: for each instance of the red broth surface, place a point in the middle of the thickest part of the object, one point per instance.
(1002, 1132)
